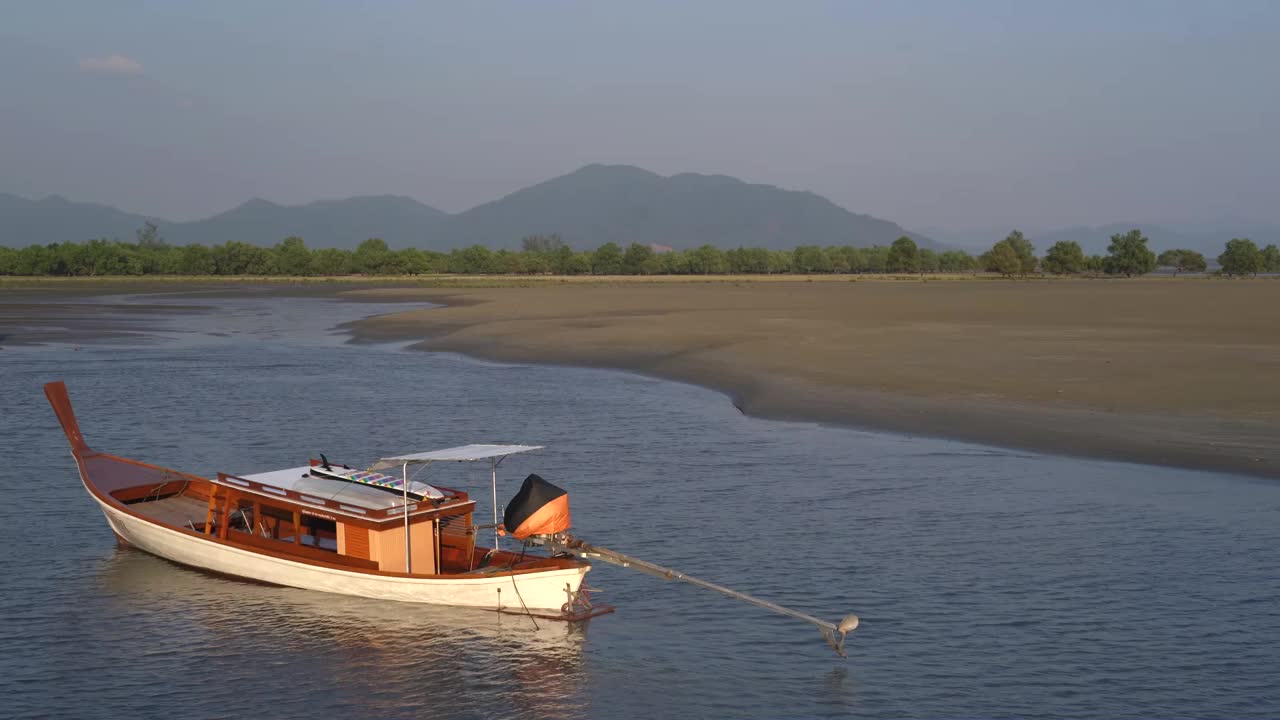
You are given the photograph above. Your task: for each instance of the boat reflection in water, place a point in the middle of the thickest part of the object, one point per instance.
(236, 640)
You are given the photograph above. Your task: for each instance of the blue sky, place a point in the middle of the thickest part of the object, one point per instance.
(957, 115)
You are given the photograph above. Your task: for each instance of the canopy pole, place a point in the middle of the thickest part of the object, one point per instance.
(493, 470)
(408, 564)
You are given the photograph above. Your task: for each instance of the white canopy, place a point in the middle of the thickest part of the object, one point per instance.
(462, 453)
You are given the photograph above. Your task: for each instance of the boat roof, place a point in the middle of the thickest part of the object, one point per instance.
(462, 453)
(301, 479)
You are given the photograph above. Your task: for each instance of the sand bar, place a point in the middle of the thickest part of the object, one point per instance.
(1162, 371)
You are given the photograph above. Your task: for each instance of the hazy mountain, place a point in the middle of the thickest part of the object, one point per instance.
(624, 204)
(1095, 239)
(54, 219)
(401, 221)
(588, 207)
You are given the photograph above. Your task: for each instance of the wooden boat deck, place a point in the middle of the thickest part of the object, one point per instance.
(178, 510)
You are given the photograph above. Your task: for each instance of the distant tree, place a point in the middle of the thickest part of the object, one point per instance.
(536, 263)
(707, 260)
(1064, 257)
(332, 261)
(877, 258)
(1182, 261)
(196, 260)
(411, 261)
(1025, 251)
(372, 256)
(1169, 259)
(839, 261)
(149, 236)
(1271, 259)
(1095, 264)
(541, 243)
(854, 258)
(748, 261)
(36, 260)
(238, 258)
(956, 261)
(780, 262)
(810, 259)
(930, 262)
(8, 261)
(635, 257)
(579, 264)
(903, 257)
(561, 259)
(1129, 255)
(1241, 257)
(293, 257)
(473, 260)
(607, 260)
(1004, 260)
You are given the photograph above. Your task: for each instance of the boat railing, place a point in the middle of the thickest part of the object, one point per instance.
(371, 514)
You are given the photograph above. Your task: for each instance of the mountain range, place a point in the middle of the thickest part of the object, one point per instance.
(587, 208)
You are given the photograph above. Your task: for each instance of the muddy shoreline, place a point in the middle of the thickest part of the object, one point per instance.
(1076, 369)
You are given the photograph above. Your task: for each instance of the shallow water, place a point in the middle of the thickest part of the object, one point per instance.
(990, 582)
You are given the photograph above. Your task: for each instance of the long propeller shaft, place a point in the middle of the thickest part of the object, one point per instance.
(572, 545)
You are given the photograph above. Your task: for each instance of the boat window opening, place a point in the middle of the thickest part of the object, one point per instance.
(319, 532)
(276, 523)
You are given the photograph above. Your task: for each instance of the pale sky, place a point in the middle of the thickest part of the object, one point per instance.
(948, 114)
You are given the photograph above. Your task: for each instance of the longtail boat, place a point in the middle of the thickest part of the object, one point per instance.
(367, 531)
(322, 526)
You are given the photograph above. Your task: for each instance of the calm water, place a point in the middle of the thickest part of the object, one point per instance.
(990, 582)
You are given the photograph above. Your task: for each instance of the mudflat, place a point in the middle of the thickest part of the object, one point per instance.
(1182, 372)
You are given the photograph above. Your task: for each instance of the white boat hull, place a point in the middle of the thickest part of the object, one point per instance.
(545, 590)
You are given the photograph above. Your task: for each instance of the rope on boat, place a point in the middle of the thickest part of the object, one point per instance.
(526, 607)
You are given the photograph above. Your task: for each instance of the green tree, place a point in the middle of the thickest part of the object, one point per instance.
(1129, 255)
(707, 260)
(1271, 258)
(1004, 260)
(1241, 257)
(1025, 251)
(810, 259)
(1096, 264)
(1064, 257)
(238, 258)
(561, 259)
(930, 262)
(579, 264)
(607, 260)
(742, 261)
(196, 260)
(293, 257)
(149, 236)
(877, 258)
(1182, 261)
(904, 256)
(8, 260)
(413, 261)
(780, 262)
(635, 257)
(473, 260)
(536, 263)
(956, 261)
(332, 261)
(372, 257)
